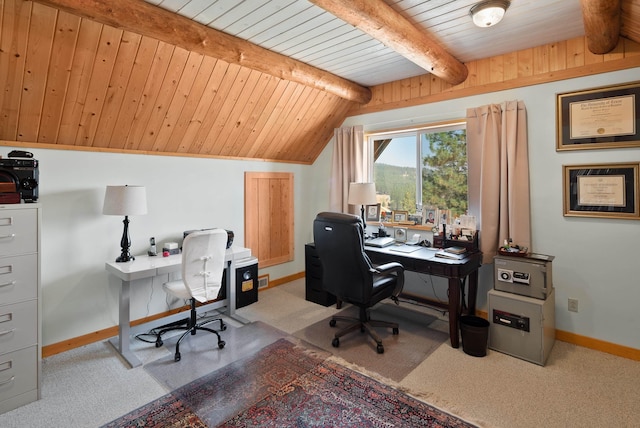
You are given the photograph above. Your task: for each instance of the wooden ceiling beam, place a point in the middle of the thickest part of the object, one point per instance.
(602, 21)
(145, 19)
(383, 23)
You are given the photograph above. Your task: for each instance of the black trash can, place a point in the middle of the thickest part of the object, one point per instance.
(475, 335)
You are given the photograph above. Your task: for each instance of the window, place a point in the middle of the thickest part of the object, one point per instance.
(421, 167)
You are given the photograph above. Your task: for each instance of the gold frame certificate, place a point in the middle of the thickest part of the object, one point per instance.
(602, 118)
(601, 190)
(598, 118)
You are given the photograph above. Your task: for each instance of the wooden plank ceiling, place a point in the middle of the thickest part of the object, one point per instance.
(75, 83)
(78, 80)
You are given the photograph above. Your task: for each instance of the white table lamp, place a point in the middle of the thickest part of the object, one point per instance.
(126, 201)
(362, 194)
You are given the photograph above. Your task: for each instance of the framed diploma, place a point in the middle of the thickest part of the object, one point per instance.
(599, 118)
(604, 190)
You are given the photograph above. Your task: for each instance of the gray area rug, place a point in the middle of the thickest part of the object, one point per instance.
(201, 355)
(402, 352)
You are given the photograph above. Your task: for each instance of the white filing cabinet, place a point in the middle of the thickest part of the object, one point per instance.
(20, 305)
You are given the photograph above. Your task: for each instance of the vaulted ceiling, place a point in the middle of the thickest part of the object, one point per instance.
(251, 79)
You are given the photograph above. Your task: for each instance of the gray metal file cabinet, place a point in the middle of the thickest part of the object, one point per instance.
(20, 305)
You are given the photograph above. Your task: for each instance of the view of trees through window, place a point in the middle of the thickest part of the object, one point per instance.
(422, 168)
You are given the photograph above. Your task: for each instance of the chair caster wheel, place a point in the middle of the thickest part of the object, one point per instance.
(380, 349)
(159, 343)
(336, 342)
(223, 327)
(178, 357)
(395, 331)
(221, 344)
(332, 323)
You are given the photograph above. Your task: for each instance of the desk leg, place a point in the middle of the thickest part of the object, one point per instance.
(473, 292)
(121, 343)
(454, 311)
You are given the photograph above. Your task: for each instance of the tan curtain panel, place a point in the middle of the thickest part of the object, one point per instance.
(497, 151)
(350, 164)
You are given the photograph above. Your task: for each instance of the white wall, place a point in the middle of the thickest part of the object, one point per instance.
(595, 259)
(183, 193)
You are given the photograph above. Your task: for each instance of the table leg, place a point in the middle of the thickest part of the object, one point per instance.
(121, 343)
(454, 311)
(473, 292)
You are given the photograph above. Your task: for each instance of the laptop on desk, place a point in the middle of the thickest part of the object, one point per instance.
(380, 242)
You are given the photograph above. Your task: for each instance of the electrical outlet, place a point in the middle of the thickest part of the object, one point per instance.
(573, 305)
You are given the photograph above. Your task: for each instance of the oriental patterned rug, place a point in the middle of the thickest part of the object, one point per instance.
(287, 385)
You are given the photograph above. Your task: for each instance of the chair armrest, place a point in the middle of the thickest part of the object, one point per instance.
(393, 269)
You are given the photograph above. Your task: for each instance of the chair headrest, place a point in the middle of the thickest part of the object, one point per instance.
(335, 217)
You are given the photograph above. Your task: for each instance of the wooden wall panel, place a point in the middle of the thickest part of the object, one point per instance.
(83, 59)
(38, 53)
(104, 63)
(547, 63)
(66, 34)
(114, 98)
(268, 214)
(132, 95)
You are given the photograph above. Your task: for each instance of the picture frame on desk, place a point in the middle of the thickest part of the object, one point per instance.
(399, 216)
(429, 216)
(372, 212)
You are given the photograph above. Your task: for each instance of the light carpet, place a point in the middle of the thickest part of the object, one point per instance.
(402, 352)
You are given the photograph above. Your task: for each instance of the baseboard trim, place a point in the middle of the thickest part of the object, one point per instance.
(564, 336)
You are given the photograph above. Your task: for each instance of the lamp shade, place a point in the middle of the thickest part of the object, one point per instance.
(488, 13)
(362, 193)
(125, 200)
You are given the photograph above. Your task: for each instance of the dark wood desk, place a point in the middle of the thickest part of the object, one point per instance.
(424, 260)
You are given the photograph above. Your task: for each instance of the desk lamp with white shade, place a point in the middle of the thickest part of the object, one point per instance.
(362, 194)
(126, 201)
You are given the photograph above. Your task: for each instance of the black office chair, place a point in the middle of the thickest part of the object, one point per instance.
(202, 266)
(348, 273)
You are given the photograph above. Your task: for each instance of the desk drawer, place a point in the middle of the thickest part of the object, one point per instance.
(18, 326)
(18, 373)
(18, 278)
(18, 232)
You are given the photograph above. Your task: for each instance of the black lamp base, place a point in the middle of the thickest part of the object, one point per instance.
(125, 243)
(364, 222)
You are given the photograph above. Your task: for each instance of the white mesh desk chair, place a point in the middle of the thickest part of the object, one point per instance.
(203, 255)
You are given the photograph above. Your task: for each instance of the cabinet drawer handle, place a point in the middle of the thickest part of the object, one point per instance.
(4, 382)
(6, 284)
(6, 221)
(2, 333)
(11, 236)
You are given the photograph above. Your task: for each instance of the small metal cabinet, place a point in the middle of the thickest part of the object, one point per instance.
(20, 305)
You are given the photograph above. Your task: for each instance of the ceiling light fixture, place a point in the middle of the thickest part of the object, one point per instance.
(488, 13)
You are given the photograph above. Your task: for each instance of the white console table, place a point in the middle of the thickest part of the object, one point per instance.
(151, 266)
